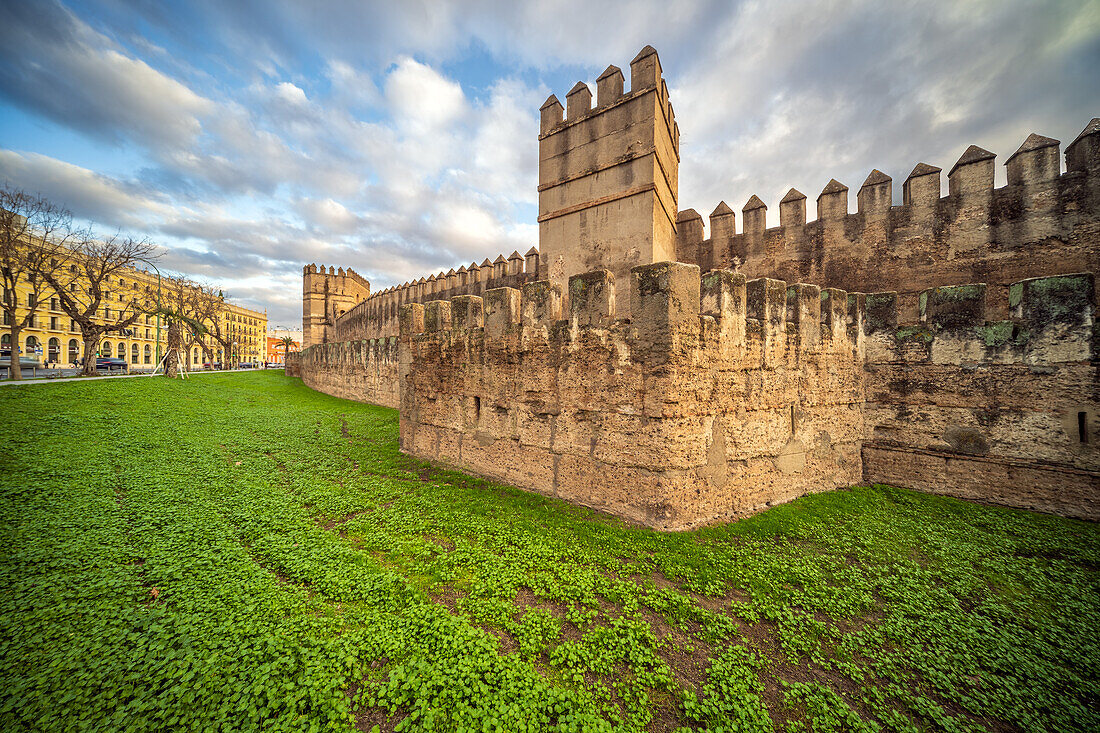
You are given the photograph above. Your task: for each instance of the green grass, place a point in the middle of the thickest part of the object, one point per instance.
(218, 554)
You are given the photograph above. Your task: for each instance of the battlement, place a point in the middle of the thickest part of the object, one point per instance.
(326, 295)
(608, 175)
(339, 272)
(1051, 321)
(673, 308)
(377, 315)
(1038, 224)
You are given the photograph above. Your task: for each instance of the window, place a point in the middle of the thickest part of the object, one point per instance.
(74, 351)
(147, 333)
(107, 314)
(72, 268)
(32, 344)
(5, 340)
(148, 320)
(72, 326)
(54, 350)
(31, 300)
(121, 350)
(53, 323)
(7, 295)
(148, 354)
(7, 319)
(133, 353)
(105, 349)
(121, 283)
(72, 287)
(53, 304)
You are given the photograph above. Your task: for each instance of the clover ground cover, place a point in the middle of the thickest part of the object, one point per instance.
(239, 552)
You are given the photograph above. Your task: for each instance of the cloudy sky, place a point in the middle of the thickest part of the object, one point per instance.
(400, 138)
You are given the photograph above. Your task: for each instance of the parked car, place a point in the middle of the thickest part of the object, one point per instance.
(209, 366)
(247, 365)
(110, 363)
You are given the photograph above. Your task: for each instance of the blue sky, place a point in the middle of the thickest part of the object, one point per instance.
(400, 138)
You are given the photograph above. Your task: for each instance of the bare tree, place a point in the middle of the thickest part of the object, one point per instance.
(92, 289)
(207, 309)
(220, 330)
(180, 304)
(34, 238)
(188, 306)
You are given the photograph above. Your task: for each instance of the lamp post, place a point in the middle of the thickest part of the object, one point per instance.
(158, 310)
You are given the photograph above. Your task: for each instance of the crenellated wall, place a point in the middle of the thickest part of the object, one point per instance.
(326, 296)
(364, 370)
(599, 373)
(376, 317)
(1044, 222)
(609, 176)
(1007, 411)
(717, 398)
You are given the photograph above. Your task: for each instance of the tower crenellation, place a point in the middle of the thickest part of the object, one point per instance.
(608, 175)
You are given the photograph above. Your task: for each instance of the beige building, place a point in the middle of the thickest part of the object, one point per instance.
(56, 340)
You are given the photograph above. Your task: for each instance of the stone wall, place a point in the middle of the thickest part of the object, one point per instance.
(609, 176)
(293, 364)
(376, 317)
(326, 296)
(675, 400)
(365, 370)
(1006, 411)
(717, 398)
(1043, 222)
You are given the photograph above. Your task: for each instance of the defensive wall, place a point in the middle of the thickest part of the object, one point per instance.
(1043, 222)
(376, 316)
(679, 393)
(717, 398)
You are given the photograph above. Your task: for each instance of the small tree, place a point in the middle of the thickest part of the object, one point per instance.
(181, 306)
(220, 330)
(34, 238)
(84, 289)
(287, 343)
(206, 309)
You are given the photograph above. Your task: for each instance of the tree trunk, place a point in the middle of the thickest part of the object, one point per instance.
(14, 371)
(171, 361)
(91, 346)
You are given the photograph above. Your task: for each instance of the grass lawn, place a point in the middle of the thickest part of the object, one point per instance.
(239, 552)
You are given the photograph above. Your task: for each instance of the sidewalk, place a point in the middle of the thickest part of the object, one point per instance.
(56, 380)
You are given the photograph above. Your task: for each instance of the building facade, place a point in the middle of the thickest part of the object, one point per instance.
(56, 340)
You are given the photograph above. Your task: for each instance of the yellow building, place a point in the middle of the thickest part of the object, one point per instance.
(56, 340)
(246, 330)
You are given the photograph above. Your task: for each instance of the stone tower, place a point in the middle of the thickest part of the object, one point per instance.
(326, 295)
(608, 177)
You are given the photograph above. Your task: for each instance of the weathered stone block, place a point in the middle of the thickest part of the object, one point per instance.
(502, 311)
(467, 313)
(540, 304)
(437, 316)
(592, 299)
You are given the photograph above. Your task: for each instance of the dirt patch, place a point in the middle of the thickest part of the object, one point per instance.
(368, 717)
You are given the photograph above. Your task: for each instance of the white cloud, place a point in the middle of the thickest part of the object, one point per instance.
(86, 194)
(422, 100)
(384, 161)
